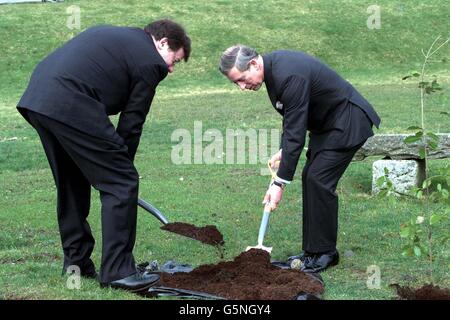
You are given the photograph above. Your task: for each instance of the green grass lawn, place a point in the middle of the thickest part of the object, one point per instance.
(227, 195)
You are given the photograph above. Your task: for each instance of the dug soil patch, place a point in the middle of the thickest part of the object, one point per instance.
(250, 276)
(426, 292)
(207, 234)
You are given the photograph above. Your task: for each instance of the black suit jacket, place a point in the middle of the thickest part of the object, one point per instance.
(100, 72)
(310, 96)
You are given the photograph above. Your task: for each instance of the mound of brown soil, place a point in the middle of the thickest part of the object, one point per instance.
(249, 276)
(426, 292)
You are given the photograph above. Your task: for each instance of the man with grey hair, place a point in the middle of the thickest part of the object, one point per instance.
(310, 96)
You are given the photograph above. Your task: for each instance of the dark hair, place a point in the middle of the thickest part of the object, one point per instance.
(175, 33)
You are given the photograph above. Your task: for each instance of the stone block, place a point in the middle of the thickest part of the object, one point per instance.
(391, 146)
(404, 174)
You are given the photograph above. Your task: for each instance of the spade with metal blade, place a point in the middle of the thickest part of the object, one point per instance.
(265, 216)
(207, 234)
(263, 229)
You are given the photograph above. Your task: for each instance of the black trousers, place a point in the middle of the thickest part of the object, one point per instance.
(79, 161)
(328, 157)
(320, 177)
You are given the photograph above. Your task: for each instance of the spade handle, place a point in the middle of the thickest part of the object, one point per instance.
(263, 227)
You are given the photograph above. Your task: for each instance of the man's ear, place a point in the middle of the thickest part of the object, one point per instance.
(254, 63)
(163, 42)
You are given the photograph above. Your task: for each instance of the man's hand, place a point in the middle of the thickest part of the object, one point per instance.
(276, 157)
(273, 196)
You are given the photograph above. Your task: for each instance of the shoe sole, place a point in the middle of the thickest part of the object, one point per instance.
(136, 290)
(145, 288)
(335, 263)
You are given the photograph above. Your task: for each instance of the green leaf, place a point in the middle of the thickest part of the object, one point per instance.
(383, 193)
(407, 252)
(423, 249)
(389, 184)
(433, 145)
(422, 153)
(434, 219)
(419, 194)
(417, 251)
(433, 136)
(414, 190)
(380, 181)
(412, 139)
(414, 128)
(445, 113)
(412, 74)
(426, 183)
(386, 171)
(405, 232)
(435, 85)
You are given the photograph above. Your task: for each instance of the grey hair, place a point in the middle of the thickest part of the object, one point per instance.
(238, 56)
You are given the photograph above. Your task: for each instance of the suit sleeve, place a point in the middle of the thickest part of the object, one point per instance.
(132, 118)
(295, 98)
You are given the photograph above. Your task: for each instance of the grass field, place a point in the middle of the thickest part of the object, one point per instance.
(227, 195)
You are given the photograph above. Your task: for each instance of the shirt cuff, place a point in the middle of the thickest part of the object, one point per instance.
(278, 179)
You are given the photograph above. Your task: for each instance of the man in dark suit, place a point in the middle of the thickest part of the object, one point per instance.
(309, 96)
(103, 71)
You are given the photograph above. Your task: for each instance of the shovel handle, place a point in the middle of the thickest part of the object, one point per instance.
(273, 174)
(267, 207)
(263, 227)
(151, 209)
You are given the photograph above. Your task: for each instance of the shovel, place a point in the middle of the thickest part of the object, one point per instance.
(264, 221)
(262, 230)
(151, 209)
(208, 235)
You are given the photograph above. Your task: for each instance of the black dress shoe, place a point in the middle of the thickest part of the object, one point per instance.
(319, 261)
(137, 282)
(300, 257)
